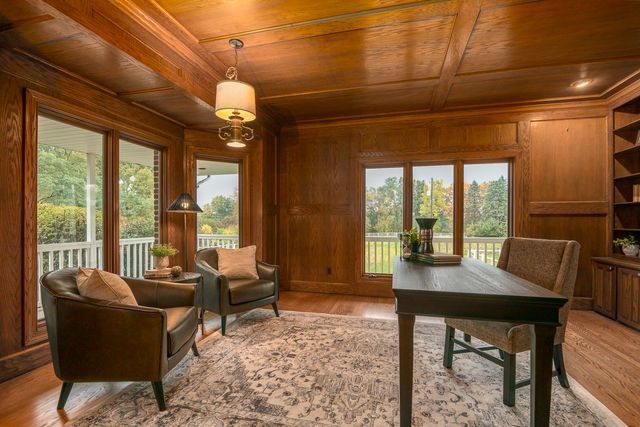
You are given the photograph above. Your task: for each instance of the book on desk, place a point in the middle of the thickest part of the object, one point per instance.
(438, 258)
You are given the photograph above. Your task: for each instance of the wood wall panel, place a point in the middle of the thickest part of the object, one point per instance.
(590, 231)
(11, 167)
(473, 137)
(553, 149)
(567, 160)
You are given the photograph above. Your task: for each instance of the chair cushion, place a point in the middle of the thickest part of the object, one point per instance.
(510, 337)
(238, 263)
(246, 290)
(182, 322)
(102, 285)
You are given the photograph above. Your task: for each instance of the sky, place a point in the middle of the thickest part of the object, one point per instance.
(217, 185)
(480, 172)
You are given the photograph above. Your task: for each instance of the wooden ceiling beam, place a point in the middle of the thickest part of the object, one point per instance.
(126, 25)
(462, 29)
(23, 22)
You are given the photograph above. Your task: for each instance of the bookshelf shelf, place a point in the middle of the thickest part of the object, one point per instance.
(633, 125)
(626, 151)
(629, 176)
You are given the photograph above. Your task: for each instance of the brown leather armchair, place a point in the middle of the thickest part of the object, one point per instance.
(94, 341)
(228, 296)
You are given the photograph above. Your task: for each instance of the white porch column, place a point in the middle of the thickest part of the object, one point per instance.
(91, 210)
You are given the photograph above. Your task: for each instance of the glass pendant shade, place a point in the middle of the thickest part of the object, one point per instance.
(235, 98)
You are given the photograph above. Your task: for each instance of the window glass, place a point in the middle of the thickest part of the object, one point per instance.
(218, 194)
(433, 197)
(383, 218)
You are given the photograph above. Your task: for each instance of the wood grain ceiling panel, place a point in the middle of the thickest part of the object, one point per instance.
(404, 16)
(539, 84)
(82, 54)
(206, 19)
(355, 58)
(176, 104)
(552, 33)
(410, 96)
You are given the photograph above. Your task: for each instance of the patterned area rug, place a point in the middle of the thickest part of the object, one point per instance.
(311, 370)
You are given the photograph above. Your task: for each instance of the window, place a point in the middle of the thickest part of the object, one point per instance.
(486, 210)
(218, 194)
(383, 218)
(139, 189)
(484, 206)
(433, 197)
(69, 197)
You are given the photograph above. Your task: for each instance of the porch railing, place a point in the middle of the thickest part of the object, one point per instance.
(217, 240)
(381, 249)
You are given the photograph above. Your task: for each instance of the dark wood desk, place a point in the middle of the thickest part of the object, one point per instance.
(474, 290)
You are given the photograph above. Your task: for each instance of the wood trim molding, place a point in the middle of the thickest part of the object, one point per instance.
(18, 363)
(569, 208)
(582, 303)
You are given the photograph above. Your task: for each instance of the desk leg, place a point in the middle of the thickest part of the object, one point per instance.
(405, 332)
(542, 337)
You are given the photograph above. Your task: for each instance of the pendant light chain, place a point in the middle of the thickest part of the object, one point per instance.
(232, 72)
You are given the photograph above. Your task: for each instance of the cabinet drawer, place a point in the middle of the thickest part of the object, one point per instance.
(604, 289)
(629, 297)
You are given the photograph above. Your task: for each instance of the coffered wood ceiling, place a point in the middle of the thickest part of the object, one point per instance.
(333, 58)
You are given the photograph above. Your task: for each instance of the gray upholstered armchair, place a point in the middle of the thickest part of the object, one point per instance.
(552, 264)
(228, 296)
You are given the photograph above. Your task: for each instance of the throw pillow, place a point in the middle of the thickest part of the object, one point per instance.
(102, 285)
(238, 263)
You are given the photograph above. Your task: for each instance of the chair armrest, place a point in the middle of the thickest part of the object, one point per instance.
(267, 271)
(154, 293)
(211, 275)
(104, 341)
(215, 287)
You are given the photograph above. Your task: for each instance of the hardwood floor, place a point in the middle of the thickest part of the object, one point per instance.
(600, 354)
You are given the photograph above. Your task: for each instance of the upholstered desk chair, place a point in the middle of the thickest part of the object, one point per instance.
(101, 341)
(228, 296)
(552, 264)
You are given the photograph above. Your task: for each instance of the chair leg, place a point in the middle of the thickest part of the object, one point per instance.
(467, 338)
(64, 394)
(224, 324)
(509, 380)
(275, 308)
(448, 347)
(558, 361)
(158, 391)
(194, 348)
(502, 353)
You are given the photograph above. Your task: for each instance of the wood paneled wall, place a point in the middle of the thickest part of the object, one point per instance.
(560, 167)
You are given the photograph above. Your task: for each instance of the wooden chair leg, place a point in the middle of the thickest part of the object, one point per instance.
(158, 391)
(275, 308)
(467, 338)
(509, 380)
(224, 324)
(448, 347)
(194, 348)
(558, 361)
(64, 394)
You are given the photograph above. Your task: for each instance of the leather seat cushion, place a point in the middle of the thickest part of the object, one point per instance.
(182, 322)
(510, 337)
(246, 290)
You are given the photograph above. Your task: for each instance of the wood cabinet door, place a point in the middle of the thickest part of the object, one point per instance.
(604, 289)
(629, 297)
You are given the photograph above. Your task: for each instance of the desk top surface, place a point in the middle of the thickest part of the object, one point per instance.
(470, 278)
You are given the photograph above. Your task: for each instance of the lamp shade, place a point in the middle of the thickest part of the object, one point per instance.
(235, 98)
(184, 203)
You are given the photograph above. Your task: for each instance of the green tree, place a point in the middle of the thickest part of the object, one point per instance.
(472, 206)
(384, 207)
(494, 210)
(220, 215)
(437, 202)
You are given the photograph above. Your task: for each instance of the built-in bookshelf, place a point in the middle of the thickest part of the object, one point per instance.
(626, 169)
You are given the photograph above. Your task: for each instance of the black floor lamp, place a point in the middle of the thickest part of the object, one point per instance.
(185, 204)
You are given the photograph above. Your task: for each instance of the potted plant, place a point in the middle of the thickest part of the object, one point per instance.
(161, 254)
(415, 240)
(628, 244)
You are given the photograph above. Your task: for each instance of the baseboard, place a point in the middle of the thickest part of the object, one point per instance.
(582, 303)
(376, 290)
(18, 363)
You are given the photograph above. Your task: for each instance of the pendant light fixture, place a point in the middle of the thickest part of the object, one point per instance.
(235, 103)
